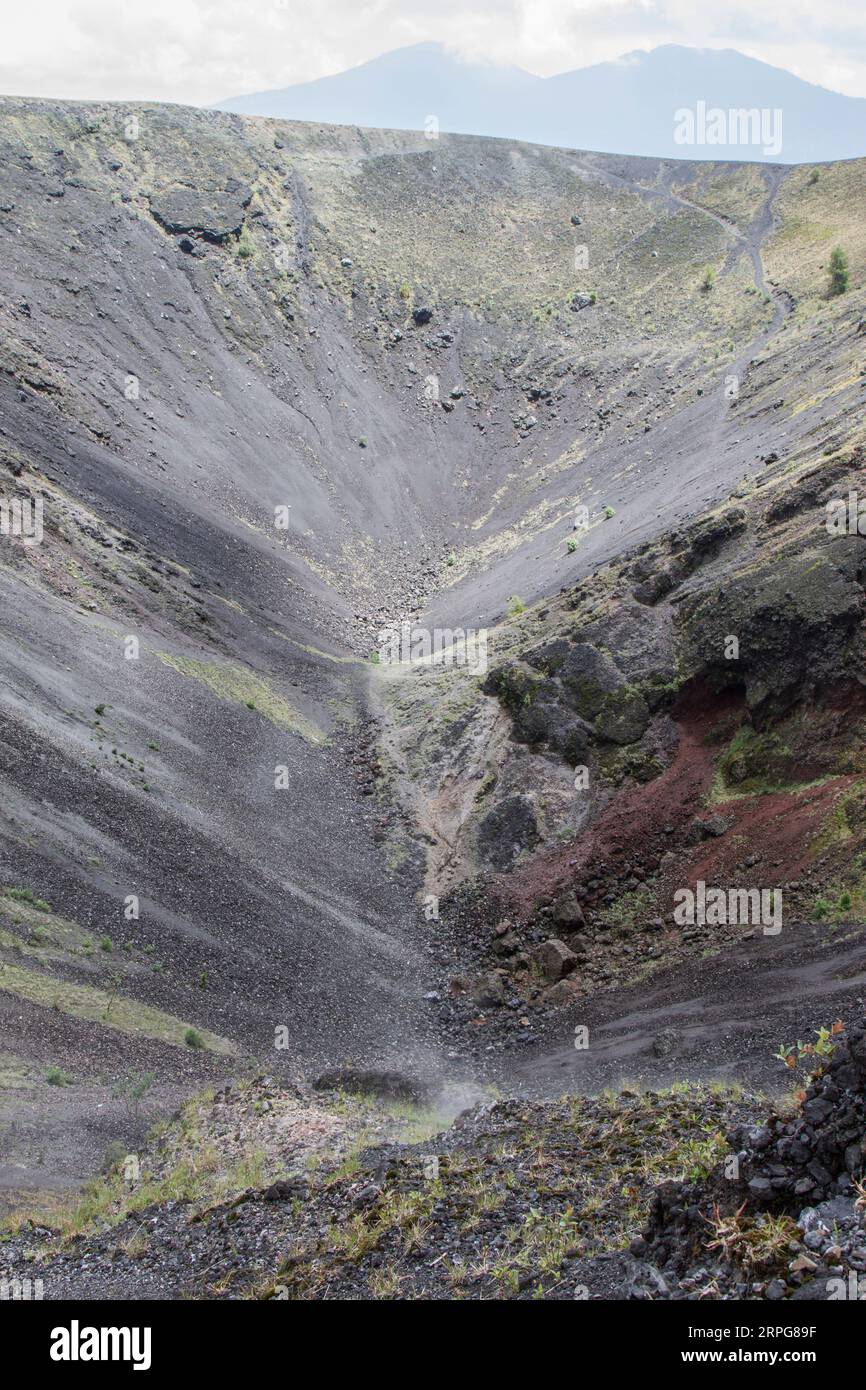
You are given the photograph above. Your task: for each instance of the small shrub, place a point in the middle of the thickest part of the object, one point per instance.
(132, 1090)
(838, 271)
(192, 1038)
(572, 545)
(55, 1076)
(106, 943)
(709, 280)
(515, 606)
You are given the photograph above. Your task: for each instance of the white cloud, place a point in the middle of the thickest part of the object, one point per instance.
(198, 51)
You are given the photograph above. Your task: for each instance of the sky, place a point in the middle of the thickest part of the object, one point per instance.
(201, 51)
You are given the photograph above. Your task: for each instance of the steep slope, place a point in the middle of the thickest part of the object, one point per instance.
(422, 358)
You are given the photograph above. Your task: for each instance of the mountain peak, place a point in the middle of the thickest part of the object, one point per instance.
(629, 105)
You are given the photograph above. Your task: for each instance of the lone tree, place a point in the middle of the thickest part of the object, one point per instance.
(838, 271)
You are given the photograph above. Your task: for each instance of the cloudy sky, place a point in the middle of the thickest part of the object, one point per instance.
(199, 51)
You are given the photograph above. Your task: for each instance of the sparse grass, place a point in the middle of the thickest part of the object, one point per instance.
(100, 1006)
(26, 895)
(237, 685)
(585, 1175)
(843, 902)
(758, 1244)
(629, 909)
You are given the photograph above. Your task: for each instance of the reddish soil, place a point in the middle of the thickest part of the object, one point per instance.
(642, 823)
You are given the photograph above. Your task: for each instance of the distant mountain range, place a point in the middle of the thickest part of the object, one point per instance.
(671, 102)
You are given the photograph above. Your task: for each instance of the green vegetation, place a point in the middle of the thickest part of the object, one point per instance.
(55, 1076)
(102, 1006)
(757, 1243)
(515, 606)
(190, 1171)
(580, 1180)
(240, 686)
(24, 895)
(795, 1053)
(133, 1089)
(245, 245)
(838, 271)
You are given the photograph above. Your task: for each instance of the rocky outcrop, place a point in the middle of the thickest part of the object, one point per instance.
(819, 1152)
(214, 215)
(568, 695)
(784, 630)
(802, 1167)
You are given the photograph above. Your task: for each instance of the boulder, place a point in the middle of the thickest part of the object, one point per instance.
(553, 960)
(567, 911)
(489, 990)
(563, 992)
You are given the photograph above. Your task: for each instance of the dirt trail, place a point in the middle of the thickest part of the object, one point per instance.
(718, 1018)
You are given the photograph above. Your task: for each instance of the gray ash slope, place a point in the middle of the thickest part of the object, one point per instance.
(205, 318)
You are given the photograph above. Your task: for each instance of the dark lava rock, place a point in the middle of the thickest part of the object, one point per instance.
(809, 1157)
(567, 911)
(797, 625)
(390, 1084)
(506, 830)
(553, 960)
(216, 216)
